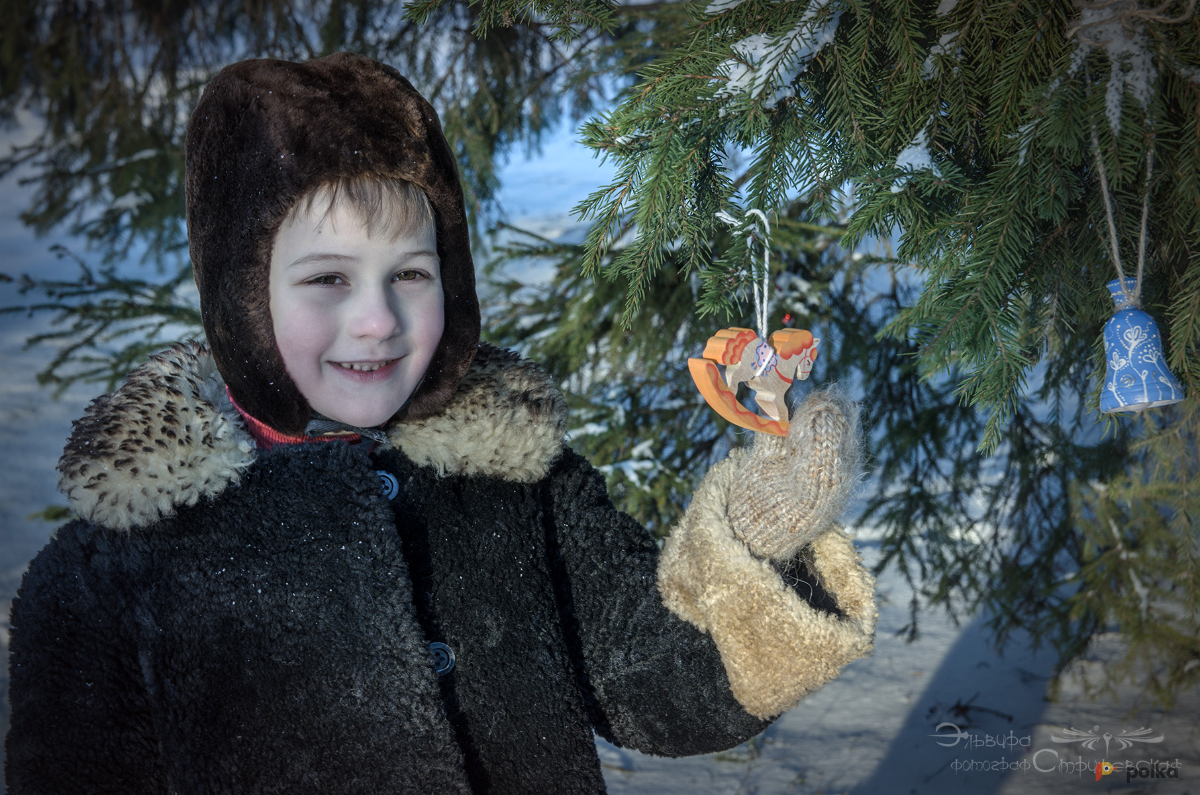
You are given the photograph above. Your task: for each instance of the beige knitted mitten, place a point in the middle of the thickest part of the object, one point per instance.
(793, 488)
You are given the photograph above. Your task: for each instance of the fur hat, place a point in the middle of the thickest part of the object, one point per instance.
(264, 134)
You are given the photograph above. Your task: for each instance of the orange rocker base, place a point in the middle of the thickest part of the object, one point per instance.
(786, 356)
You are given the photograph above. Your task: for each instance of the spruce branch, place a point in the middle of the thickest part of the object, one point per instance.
(107, 323)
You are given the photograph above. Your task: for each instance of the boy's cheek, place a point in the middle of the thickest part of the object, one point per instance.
(300, 345)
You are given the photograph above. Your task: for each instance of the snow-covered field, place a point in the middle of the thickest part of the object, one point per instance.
(874, 730)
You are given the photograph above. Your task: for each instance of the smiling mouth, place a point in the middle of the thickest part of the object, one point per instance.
(365, 367)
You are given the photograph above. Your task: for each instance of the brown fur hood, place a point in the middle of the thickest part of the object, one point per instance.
(264, 134)
(170, 436)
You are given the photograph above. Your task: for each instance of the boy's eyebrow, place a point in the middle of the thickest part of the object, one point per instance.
(421, 253)
(323, 256)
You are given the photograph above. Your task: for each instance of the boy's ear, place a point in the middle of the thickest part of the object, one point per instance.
(265, 133)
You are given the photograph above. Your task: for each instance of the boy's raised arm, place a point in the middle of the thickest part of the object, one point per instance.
(651, 681)
(693, 650)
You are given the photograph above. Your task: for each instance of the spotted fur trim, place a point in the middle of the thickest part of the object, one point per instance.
(506, 419)
(165, 439)
(170, 436)
(776, 647)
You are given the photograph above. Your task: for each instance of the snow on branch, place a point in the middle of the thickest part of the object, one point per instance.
(718, 6)
(767, 65)
(947, 46)
(915, 157)
(1118, 30)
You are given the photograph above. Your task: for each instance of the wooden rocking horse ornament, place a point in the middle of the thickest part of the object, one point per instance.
(739, 355)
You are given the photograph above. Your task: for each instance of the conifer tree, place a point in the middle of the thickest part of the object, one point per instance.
(978, 133)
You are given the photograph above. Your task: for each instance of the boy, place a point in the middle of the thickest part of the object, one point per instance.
(345, 549)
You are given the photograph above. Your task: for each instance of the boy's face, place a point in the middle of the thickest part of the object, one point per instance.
(356, 318)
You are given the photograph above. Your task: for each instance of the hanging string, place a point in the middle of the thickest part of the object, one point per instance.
(1135, 299)
(762, 299)
(760, 304)
(1145, 217)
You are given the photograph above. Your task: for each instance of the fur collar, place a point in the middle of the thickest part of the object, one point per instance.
(170, 436)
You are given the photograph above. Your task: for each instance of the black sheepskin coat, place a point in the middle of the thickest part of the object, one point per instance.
(226, 620)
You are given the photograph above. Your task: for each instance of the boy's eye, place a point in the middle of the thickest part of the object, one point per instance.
(328, 278)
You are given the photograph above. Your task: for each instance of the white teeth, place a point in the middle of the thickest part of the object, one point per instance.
(365, 368)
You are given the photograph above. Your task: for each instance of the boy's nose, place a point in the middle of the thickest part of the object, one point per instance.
(374, 315)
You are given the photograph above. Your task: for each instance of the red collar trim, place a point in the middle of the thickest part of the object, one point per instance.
(267, 437)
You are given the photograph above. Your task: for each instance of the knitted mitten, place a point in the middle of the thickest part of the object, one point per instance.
(793, 488)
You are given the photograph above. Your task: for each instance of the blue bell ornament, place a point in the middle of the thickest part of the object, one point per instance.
(1137, 376)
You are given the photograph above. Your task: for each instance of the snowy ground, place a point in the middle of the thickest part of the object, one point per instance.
(874, 730)
(867, 732)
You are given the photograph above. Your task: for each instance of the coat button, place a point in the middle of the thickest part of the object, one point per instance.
(391, 486)
(443, 658)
